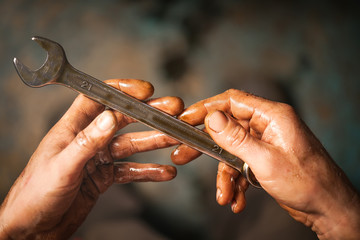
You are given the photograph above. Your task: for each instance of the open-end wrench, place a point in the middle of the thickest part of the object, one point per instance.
(57, 70)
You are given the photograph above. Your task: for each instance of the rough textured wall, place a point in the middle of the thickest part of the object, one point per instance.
(305, 54)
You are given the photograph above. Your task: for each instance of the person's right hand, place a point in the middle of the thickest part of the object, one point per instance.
(286, 158)
(76, 162)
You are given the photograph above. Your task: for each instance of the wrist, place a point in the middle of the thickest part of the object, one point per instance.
(341, 220)
(8, 227)
(3, 232)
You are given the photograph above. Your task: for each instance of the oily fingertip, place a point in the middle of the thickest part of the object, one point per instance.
(171, 172)
(178, 104)
(225, 182)
(194, 114)
(184, 154)
(239, 203)
(171, 105)
(238, 206)
(137, 88)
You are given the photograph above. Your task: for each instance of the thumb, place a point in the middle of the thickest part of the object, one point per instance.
(88, 142)
(232, 137)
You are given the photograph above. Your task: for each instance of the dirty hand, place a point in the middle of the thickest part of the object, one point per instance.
(285, 156)
(74, 164)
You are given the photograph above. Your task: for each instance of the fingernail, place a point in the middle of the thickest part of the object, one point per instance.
(218, 194)
(217, 121)
(105, 121)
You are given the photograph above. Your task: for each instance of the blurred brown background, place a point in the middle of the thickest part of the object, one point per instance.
(305, 53)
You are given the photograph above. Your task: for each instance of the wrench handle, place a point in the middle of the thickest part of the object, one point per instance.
(152, 117)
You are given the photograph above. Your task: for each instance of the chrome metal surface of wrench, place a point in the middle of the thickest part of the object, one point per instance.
(57, 70)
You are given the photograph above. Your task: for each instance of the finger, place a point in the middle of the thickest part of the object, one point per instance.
(80, 114)
(139, 89)
(128, 144)
(87, 142)
(239, 201)
(84, 110)
(241, 105)
(184, 154)
(225, 183)
(231, 136)
(125, 172)
(170, 105)
(102, 170)
(103, 177)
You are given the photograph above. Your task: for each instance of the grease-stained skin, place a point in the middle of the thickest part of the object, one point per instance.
(74, 164)
(286, 158)
(131, 172)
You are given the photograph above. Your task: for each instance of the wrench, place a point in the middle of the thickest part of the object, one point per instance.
(57, 70)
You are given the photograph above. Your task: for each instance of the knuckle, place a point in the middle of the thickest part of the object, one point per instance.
(288, 112)
(176, 105)
(121, 147)
(236, 137)
(224, 169)
(134, 147)
(83, 140)
(122, 172)
(286, 108)
(232, 91)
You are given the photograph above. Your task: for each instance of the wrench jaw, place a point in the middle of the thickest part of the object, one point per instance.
(51, 69)
(26, 75)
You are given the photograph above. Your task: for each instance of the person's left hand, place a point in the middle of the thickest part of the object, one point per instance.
(74, 164)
